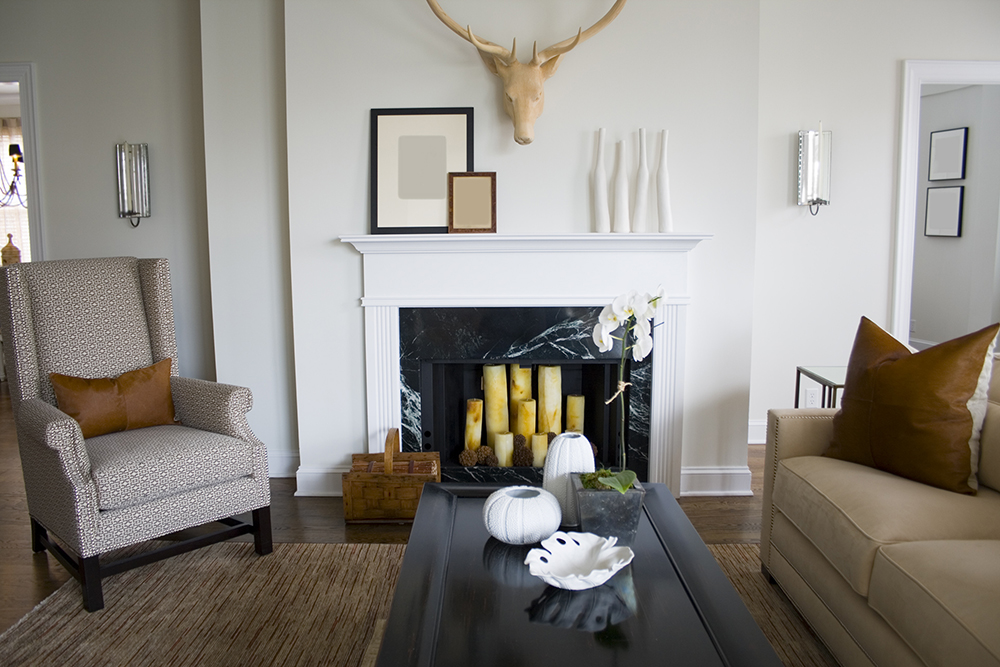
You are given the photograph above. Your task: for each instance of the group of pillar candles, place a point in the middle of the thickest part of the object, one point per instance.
(509, 409)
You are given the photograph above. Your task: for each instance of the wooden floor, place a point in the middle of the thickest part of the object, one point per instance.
(26, 578)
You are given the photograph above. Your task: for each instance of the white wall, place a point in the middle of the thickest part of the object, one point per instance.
(243, 72)
(688, 67)
(816, 276)
(954, 291)
(110, 72)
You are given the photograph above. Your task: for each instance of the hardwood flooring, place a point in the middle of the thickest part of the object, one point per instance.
(27, 578)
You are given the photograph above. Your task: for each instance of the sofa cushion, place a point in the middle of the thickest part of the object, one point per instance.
(849, 510)
(989, 450)
(133, 467)
(943, 598)
(915, 415)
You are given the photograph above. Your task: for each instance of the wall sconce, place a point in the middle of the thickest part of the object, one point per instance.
(13, 193)
(133, 182)
(814, 168)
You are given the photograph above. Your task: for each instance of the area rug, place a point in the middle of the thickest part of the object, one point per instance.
(305, 604)
(788, 633)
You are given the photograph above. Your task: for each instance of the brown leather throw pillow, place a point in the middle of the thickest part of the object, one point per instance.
(908, 413)
(135, 399)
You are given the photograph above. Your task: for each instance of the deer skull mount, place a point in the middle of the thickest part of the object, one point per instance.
(523, 83)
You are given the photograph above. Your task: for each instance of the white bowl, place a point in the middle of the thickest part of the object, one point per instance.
(577, 561)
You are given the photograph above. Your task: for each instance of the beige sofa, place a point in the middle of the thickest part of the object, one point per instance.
(887, 571)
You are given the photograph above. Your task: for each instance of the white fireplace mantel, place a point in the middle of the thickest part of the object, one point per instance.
(494, 270)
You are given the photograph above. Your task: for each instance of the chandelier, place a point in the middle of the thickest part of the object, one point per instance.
(12, 193)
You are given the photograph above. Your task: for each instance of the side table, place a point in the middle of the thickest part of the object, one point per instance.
(830, 378)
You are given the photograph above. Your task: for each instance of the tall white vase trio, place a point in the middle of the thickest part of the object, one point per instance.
(616, 215)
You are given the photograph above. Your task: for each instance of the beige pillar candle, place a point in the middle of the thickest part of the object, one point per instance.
(574, 413)
(540, 448)
(495, 390)
(503, 446)
(473, 423)
(550, 399)
(525, 422)
(520, 390)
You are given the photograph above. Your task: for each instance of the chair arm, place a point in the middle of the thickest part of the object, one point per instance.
(790, 433)
(212, 406)
(44, 430)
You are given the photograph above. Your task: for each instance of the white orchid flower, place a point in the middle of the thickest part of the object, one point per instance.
(609, 319)
(603, 338)
(624, 305)
(643, 344)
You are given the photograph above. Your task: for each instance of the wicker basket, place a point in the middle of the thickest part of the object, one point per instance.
(385, 488)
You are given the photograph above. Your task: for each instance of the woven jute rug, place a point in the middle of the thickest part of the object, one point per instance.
(789, 635)
(305, 604)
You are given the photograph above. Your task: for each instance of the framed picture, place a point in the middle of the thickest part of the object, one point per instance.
(944, 211)
(412, 152)
(947, 160)
(472, 202)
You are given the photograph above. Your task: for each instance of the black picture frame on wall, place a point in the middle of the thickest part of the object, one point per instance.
(411, 153)
(943, 214)
(947, 154)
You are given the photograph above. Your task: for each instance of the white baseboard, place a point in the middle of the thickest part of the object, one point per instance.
(716, 481)
(281, 464)
(320, 481)
(757, 432)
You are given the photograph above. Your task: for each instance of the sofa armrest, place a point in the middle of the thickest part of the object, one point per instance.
(213, 406)
(790, 433)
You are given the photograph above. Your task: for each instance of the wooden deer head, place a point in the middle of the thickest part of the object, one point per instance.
(523, 83)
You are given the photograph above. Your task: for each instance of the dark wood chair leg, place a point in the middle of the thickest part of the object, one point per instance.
(38, 536)
(90, 581)
(262, 531)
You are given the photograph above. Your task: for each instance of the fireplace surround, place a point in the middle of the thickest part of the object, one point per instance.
(506, 271)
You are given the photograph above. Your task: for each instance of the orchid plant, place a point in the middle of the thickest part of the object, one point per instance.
(634, 313)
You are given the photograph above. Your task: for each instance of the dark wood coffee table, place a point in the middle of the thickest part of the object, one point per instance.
(465, 599)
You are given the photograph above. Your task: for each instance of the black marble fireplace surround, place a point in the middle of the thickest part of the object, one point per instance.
(442, 351)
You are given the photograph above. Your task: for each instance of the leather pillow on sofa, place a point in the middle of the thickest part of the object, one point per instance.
(909, 414)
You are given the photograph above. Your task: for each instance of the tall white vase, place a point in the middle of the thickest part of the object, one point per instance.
(620, 220)
(602, 215)
(641, 187)
(664, 215)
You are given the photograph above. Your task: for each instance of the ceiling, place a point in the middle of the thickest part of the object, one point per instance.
(9, 93)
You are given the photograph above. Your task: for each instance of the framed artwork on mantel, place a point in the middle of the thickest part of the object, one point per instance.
(412, 153)
(947, 161)
(472, 202)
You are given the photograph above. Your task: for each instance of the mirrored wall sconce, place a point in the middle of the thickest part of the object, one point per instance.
(133, 182)
(814, 168)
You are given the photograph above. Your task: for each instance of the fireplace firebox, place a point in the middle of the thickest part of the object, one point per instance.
(436, 382)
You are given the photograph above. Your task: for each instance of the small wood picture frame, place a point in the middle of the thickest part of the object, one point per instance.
(472, 202)
(943, 214)
(947, 154)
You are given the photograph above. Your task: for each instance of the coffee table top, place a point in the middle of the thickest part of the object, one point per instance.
(463, 598)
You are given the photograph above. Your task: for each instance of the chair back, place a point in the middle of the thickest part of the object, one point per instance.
(83, 317)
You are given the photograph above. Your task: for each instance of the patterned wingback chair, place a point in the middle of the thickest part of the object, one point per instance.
(97, 318)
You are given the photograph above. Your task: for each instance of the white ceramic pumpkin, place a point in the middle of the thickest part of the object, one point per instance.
(568, 453)
(521, 514)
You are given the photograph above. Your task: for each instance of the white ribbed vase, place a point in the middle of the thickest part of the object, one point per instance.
(521, 514)
(568, 453)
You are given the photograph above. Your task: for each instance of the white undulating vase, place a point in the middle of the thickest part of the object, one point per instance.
(602, 215)
(664, 215)
(641, 187)
(521, 514)
(568, 453)
(620, 220)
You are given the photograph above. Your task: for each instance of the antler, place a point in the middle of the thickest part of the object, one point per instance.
(484, 45)
(562, 47)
